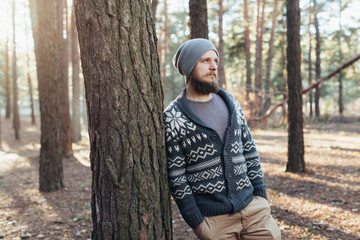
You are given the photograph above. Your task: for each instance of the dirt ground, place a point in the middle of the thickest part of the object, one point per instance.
(323, 203)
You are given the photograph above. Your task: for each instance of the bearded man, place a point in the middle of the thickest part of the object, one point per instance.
(214, 168)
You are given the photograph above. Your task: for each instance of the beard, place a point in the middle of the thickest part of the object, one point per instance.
(204, 87)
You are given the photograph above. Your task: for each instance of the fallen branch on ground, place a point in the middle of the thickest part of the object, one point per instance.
(314, 85)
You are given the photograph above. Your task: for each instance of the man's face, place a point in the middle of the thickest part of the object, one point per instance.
(204, 77)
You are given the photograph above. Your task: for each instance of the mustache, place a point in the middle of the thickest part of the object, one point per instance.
(211, 74)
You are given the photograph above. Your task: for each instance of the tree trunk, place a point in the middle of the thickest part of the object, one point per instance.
(164, 48)
(47, 46)
(31, 99)
(154, 4)
(198, 19)
(310, 65)
(267, 101)
(247, 50)
(340, 77)
(221, 69)
(76, 126)
(317, 64)
(258, 59)
(16, 117)
(296, 161)
(64, 80)
(28, 76)
(83, 104)
(118, 45)
(7, 80)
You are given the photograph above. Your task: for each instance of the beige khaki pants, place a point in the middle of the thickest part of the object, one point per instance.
(252, 223)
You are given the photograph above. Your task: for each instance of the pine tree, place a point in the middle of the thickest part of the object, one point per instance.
(296, 161)
(118, 46)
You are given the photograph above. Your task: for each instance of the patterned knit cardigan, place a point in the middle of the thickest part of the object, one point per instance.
(206, 176)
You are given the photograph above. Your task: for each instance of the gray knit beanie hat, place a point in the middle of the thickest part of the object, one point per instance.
(189, 53)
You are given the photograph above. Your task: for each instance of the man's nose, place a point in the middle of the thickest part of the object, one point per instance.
(213, 65)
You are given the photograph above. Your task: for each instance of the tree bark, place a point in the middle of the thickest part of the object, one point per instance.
(47, 45)
(198, 19)
(267, 101)
(164, 48)
(83, 105)
(76, 126)
(258, 55)
(221, 69)
(296, 161)
(318, 62)
(28, 77)
(340, 76)
(118, 45)
(7, 80)
(16, 117)
(247, 50)
(310, 65)
(64, 80)
(154, 4)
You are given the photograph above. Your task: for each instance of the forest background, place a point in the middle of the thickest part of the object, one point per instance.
(335, 24)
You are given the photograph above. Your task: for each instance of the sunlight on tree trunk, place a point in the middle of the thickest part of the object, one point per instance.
(76, 126)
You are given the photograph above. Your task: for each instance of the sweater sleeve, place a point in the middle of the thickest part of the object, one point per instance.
(176, 164)
(254, 171)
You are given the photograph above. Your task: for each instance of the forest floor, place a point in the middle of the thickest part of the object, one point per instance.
(322, 203)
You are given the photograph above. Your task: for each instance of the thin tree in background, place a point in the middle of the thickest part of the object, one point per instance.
(341, 59)
(198, 19)
(0, 123)
(16, 117)
(317, 61)
(310, 62)
(75, 122)
(296, 161)
(247, 49)
(64, 81)
(120, 62)
(267, 101)
(221, 69)
(164, 49)
(154, 4)
(47, 41)
(7, 80)
(28, 76)
(258, 55)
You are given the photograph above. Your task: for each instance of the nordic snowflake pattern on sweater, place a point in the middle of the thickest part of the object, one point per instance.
(209, 177)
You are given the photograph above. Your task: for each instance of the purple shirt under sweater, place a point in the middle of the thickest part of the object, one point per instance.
(213, 112)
